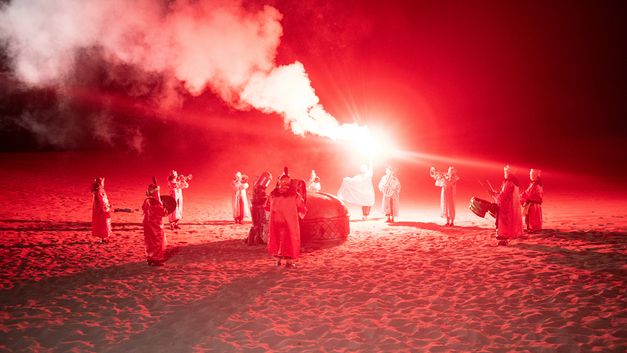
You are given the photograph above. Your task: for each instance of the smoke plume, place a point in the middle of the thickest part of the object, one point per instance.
(221, 45)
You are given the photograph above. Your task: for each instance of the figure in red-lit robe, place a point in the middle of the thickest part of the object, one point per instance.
(101, 211)
(154, 235)
(358, 190)
(531, 200)
(286, 206)
(240, 199)
(390, 186)
(177, 183)
(448, 183)
(509, 217)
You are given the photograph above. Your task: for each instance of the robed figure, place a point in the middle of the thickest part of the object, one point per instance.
(154, 235)
(258, 233)
(531, 200)
(239, 200)
(101, 211)
(509, 217)
(176, 183)
(358, 190)
(390, 186)
(448, 182)
(286, 207)
(313, 185)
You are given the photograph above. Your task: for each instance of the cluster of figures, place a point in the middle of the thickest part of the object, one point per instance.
(275, 216)
(285, 206)
(155, 208)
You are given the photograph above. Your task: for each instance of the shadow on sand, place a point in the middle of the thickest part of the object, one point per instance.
(435, 226)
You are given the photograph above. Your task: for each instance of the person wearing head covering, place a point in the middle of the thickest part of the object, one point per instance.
(531, 200)
(101, 211)
(390, 186)
(239, 201)
(358, 190)
(448, 183)
(314, 182)
(176, 183)
(286, 206)
(154, 235)
(258, 233)
(509, 217)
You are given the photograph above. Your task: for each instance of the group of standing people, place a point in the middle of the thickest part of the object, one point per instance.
(154, 210)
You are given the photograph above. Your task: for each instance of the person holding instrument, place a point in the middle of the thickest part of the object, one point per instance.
(154, 235)
(177, 183)
(509, 217)
(448, 183)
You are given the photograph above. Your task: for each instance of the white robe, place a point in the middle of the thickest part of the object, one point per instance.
(390, 186)
(357, 190)
(239, 193)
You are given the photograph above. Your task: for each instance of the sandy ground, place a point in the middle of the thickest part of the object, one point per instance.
(411, 286)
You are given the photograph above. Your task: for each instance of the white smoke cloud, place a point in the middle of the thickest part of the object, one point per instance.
(206, 45)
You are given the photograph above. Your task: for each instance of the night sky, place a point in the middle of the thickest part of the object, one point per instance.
(533, 83)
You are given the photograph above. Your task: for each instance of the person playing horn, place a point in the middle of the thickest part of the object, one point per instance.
(177, 183)
(448, 183)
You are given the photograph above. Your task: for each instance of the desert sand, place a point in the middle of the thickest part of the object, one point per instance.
(410, 286)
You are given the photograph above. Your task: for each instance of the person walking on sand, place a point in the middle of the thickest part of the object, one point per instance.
(286, 206)
(239, 201)
(509, 217)
(177, 183)
(154, 235)
(390, 186)
(358, 190)
(531, 200)
(101, 211)
(448, 183)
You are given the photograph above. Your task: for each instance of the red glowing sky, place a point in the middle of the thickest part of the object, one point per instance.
(535, 84)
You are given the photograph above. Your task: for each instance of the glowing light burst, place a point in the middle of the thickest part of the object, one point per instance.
(366, 143)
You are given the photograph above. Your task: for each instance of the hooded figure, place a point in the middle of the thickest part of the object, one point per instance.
(176, 184)
(509, 217)
(101, 211)
(154, 235)
(531, 200)
(390, 186)
(448, 183)
(258, 233)
(240, 200)
(286, 206)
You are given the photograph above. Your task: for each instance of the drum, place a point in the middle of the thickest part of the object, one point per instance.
(169, 203)
(480, 207)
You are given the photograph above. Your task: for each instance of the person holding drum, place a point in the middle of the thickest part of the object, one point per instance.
(154, 235)
(509, 217)
(448, 183)
(390, 186)
(531, 200)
